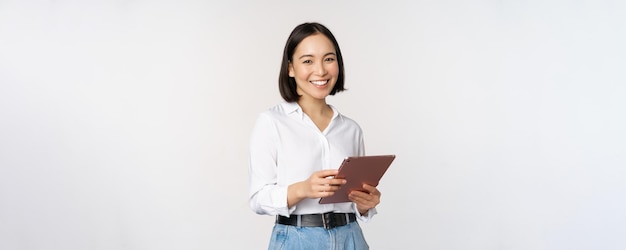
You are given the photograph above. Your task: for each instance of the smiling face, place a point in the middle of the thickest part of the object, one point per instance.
(314, 67)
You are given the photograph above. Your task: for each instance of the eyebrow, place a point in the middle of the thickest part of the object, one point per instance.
(329, 53)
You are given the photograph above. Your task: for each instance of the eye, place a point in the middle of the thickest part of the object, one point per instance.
(307, 61)
(329, 59)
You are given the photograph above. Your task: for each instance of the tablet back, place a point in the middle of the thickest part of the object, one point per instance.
(358, 170)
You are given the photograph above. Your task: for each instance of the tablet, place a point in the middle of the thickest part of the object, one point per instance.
(359, 170)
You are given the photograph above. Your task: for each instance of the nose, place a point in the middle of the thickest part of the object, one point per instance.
(320, 69)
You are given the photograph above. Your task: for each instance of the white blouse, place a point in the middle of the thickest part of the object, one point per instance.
(286, 147)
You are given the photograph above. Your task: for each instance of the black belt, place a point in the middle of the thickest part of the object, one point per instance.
(327, 220)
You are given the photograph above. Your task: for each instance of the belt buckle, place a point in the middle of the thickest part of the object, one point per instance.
(328, 219)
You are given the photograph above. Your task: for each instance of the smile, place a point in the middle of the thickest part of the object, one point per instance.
(319, 83)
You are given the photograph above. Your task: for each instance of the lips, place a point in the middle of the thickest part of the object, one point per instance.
(319, 83)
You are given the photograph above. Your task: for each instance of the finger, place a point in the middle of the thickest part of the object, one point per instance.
(360, 195)
(333, 188)
(371, 189)
(328, 188)
(326, 173)
(365, 197)
(335, 182)
(325, 191)
(325, 188)
(360, 200)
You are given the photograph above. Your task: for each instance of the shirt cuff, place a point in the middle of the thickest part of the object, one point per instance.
(280, 197)
(367, 217)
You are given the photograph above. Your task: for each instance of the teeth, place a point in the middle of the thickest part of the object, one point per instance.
(319, 82)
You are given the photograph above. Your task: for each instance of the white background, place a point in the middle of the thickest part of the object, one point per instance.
(125, 124)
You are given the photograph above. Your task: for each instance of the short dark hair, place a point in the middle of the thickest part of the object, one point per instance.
(287, 84)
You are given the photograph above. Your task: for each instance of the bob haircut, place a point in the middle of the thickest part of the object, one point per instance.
(287, 84)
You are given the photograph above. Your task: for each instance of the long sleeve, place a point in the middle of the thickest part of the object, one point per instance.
(265, 195)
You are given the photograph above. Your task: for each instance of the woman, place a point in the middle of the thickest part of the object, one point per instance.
(297, 145)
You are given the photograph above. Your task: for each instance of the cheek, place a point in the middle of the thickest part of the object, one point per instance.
(300, 73)
(334, 70)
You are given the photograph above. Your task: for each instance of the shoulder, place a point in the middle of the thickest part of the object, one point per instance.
(279, 110)
(277, 113)
(347, 121)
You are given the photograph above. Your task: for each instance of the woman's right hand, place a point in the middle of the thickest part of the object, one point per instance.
(318, 185)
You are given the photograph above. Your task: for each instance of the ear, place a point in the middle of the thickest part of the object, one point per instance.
(290, 67)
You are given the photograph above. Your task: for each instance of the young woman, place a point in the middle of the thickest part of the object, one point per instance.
(298, 144)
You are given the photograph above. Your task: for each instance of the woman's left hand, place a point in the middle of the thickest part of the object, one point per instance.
(365, 200)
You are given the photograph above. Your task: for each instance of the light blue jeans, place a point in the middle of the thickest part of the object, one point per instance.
(348, 237)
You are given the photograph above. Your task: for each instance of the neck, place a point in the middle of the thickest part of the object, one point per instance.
(314, 107)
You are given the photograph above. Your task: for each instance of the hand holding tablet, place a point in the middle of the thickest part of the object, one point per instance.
(359, 170)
